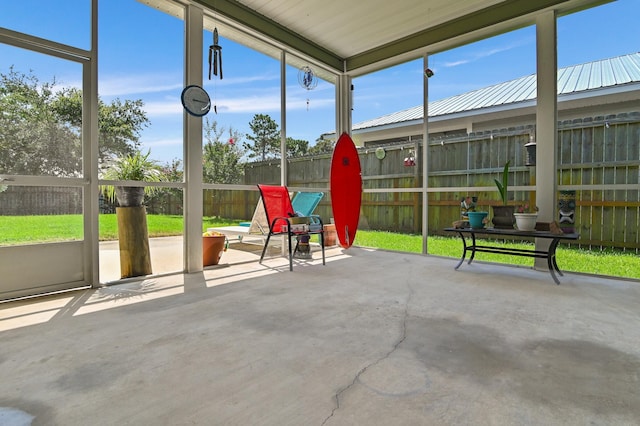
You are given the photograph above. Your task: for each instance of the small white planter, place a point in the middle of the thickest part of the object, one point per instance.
(526, 221)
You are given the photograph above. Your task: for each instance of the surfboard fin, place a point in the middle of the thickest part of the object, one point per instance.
(346, 236)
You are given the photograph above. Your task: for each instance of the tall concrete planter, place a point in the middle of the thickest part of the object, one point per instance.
(133, 239)
(133, 236)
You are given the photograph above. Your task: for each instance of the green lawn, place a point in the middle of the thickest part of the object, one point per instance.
(31, 229)
(34, 229)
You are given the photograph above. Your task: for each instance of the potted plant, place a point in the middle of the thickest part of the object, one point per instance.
(477, 220)
(214, 243)
(136, 166)
(503, 214)
(526, 218)
(133, 237)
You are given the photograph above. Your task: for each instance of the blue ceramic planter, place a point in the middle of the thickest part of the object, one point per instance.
(476, 219)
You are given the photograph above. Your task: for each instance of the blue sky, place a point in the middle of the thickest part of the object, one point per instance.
(141, 58)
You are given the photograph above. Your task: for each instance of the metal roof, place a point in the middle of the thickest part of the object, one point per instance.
(591, 76)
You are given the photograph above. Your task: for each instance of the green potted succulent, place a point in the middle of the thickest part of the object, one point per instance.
(136, 166)
(503, 214)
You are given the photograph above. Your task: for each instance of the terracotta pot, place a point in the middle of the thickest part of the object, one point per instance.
(212, 249)
(330, 235)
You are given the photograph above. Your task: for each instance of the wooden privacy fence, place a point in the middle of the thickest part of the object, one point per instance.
(40, 200)
(593, 153)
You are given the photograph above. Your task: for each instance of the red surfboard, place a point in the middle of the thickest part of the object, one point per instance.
(346, 189)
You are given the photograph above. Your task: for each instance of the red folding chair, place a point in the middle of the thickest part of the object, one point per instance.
(282, 219)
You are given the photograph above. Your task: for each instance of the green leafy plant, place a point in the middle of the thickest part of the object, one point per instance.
(136, 166)
(503, 186)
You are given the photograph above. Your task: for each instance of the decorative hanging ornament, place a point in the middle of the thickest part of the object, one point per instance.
(215, 60)
(410, 160)
(215, 55)
(307, 80)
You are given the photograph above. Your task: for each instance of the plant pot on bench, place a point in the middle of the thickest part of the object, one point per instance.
(526, 221)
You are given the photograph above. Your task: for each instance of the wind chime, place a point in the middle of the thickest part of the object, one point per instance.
(215, 61)
(307, 80)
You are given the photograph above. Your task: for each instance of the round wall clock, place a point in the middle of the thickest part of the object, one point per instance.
(196, 100)
(380, 153)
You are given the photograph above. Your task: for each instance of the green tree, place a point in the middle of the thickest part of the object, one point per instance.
(265, 140)
(297, 147)
(322, 146)
(40, 127)
(168, 200)
(33, 141)
(119, 122)
(221, 158)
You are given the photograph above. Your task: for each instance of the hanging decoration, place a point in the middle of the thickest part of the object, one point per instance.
(215, 61)
(215, 56)
(410, 160)
(308, 80)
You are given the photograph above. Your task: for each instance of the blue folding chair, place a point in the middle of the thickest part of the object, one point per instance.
(305, 203)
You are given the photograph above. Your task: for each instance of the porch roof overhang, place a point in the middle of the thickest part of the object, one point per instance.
(359, 37)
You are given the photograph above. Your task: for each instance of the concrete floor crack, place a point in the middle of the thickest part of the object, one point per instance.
(402, 338)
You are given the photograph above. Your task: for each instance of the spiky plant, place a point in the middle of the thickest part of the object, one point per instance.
(136, 166)
(503, 186)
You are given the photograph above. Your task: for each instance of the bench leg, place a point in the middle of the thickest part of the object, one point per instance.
(473, 248)
(464, 250)
(551, 261)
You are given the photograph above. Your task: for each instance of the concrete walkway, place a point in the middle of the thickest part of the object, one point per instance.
(167, 256)
(372, 338)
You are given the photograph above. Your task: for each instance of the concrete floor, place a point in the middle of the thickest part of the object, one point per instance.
(372, 338)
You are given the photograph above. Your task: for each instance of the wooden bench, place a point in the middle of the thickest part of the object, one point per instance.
(549, 254)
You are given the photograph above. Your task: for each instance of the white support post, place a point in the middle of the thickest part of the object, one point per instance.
(91, 152)
(425, 152)
(283, 119)
(343, 104)
(283, 134)
(546, 124)
(192, 142)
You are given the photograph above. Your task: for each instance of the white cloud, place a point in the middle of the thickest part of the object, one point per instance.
(163, 142)
(239, 105)
(268, 104)
(119, 85)
(164, 108)
(481, 54)
(239, 80)
(456, 63)
(138, 83)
